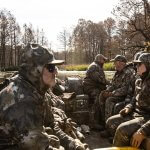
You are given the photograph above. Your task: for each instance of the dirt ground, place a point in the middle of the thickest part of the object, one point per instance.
(96, 141)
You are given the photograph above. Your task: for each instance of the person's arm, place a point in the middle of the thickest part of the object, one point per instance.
(137, 139)
(133, 99)
(66, 141)
(145, 128)
(123, 90)
(97, 75)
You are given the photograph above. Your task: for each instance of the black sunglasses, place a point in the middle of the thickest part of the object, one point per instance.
(50, 67)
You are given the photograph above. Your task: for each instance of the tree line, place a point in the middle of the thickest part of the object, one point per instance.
(126, 33)
(13, 38)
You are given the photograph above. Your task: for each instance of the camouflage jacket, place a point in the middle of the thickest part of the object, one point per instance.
(25, 109)
(23, 103)
(54, 100)
(140, 103)
(121, 81)
(141, 100)
(95, 76)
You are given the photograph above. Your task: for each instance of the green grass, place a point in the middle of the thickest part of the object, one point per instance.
(76, 67)
(83, 67)
(109, 66)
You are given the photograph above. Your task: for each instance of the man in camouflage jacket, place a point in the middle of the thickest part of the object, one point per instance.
(131, 88)
(118, 89)
(24, 108)
(93, 84)
(133, 122)
(95, 80)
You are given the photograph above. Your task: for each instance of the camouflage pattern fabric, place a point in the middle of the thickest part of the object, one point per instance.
(124, 127)
(120, 88)
(138, 119)
(93, 84)
(54, 100)
(66, 124)
(130, 93)
(120, 82)
(95, 80)
(23, 104)
(110, 104)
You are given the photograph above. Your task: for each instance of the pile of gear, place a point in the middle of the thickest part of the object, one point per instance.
(76, 102)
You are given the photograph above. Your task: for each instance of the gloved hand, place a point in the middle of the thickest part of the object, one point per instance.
(125, 111)
(137, 139)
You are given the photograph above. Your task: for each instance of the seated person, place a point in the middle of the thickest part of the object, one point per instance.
(130, 93)
(131, 88)
(95, 80)
(93, 84)
(132, 125)
(24, 109)
(119, 87)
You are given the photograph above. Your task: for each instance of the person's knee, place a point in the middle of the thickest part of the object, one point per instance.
(122, 131)
(109, 122)
(112, 124)
(121, 136)
(118, 107)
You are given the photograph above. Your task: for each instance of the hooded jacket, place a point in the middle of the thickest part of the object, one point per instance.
(23, 104)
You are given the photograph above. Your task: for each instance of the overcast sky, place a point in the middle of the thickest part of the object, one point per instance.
(55, 15)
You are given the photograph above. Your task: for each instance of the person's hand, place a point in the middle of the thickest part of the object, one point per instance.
(79, 145)
(137, 139)
(107, 94)
(125, 111)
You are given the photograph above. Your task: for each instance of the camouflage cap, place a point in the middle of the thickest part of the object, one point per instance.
(144, 58)
(99, 57)
(38, 55)
(137, 55)
(119, 58)
(32, 62)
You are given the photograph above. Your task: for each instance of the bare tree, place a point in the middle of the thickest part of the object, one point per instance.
(88, 39)
(63, 37)
(110, 26)
(28, 34)
(43, 39)
(135, 14)
(4, 35)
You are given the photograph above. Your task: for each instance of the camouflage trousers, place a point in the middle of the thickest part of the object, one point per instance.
(96, 113)
(107, 106)
(94, 106)
(122, 128)
(92, 93)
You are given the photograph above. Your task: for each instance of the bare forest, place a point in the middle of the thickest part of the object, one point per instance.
(126, 33)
